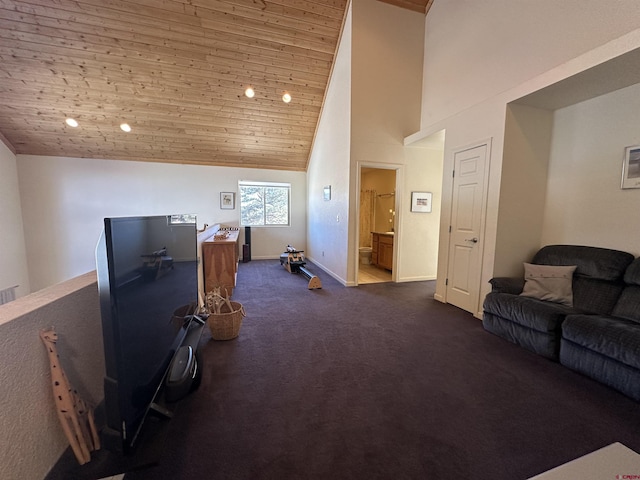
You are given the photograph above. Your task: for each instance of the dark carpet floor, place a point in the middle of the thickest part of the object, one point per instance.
(378, 382)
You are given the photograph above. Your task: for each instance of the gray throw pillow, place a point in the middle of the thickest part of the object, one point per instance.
(549, 282)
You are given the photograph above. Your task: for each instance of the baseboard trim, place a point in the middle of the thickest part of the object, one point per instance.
(329, 272)
(416, 279)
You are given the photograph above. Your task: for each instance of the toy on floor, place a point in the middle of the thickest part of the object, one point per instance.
(293, 261)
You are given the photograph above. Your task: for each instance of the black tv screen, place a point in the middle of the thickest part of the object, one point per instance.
(148, 284)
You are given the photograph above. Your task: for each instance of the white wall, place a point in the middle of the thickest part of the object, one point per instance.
(13, 255)
(480, 56)
(585, 204)
(387, 66)
(477, 50)
(419, 232)
(32, 437)
(64, 201)
(328, 221)
(523, 187)
(370, 106)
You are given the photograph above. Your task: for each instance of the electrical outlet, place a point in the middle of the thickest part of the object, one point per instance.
(338, 218)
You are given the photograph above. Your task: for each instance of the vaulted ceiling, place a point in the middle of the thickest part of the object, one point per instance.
(175, 71)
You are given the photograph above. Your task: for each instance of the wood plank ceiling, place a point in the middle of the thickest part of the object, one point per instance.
(175, 71)
(421, 6)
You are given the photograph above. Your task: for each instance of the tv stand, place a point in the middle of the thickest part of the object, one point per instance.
(108, 462)
(150, 444)
(160, 410)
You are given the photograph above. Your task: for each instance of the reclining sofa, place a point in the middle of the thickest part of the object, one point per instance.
(607, 347)
(578, 305)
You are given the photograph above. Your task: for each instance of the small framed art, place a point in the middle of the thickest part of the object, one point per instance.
(631, 167)
(421, 202)
(227, 200)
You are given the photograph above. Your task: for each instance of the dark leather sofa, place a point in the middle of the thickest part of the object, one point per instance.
(597, 333)
(607, 347)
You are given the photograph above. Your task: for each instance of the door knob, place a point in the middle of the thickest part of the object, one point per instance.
(474, 240)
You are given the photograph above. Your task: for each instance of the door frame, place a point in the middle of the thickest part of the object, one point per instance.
(399, 169)
(483, 216)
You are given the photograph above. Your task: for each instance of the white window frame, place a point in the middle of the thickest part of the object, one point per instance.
(248, 183)
(175, 220)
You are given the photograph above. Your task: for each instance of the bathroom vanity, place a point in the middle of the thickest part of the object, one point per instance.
(382, 250)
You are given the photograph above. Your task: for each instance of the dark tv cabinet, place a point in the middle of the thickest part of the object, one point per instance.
(110, 460)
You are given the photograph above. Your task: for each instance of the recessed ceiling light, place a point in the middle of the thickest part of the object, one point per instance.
(249, 92)
(286, 98)
(125, 127)
(71, 122)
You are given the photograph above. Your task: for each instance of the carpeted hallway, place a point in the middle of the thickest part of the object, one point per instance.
(378, 382)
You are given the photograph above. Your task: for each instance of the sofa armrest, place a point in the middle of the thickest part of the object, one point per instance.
(507, 285)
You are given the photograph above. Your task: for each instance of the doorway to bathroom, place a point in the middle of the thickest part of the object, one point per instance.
(377, 225)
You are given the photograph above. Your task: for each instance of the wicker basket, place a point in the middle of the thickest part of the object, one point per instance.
(226, 325)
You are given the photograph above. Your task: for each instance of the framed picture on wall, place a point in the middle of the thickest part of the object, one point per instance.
(227, 200)
(421, 202)
(631, 167)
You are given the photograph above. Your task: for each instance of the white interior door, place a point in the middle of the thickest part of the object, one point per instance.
(465, 252)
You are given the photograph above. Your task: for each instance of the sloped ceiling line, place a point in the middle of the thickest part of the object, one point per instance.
(175, 70)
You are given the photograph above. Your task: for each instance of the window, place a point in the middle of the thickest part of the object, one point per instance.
(188, 219)
(264, 203)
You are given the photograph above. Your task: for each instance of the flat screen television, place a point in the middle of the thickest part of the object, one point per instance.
(147, 271)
